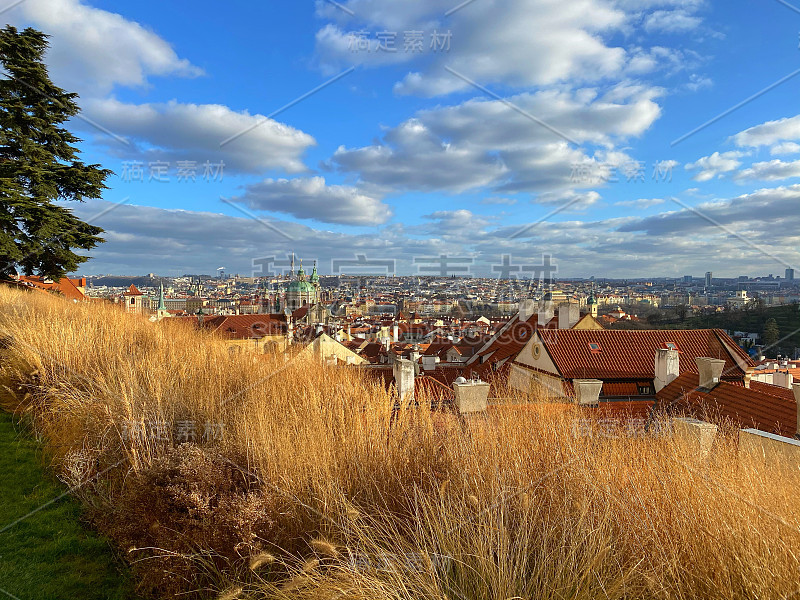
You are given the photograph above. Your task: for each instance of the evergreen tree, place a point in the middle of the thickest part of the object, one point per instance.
(771, 333)
(39, 165)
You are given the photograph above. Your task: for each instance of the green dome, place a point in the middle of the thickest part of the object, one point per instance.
(314, 276)
(300, 286)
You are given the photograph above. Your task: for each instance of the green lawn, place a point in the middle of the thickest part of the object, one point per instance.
(48, 555)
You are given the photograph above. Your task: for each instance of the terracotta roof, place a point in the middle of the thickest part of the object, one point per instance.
(625, 388)
(300, 312)
(245, 327)
(762, 406)
(630, 354)
(65, 286)
(133, 291)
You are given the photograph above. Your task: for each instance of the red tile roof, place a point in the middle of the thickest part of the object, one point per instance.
(65, 286)
(133, 291)
(762, 406)
(244, 327)
(630, 354)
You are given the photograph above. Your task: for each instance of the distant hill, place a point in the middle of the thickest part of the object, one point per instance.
(124, 281)
(751, 321)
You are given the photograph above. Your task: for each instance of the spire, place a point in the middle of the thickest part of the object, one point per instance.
(162, 305)
(314, 275)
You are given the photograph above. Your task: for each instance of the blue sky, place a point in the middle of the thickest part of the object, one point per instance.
(526, 111)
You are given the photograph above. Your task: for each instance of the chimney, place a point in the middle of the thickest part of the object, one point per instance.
(667, 367)
(414, 354)
(748, 375)
(783, 379)
(587, 391)
(568, 315)
(527, 308)
(404, 379)
(396, 333)
(546, 312)
(429, 363)
(710, 370)
(796, 390)
(471, 396)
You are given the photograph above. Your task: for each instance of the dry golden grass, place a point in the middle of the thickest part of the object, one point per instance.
(317, 491)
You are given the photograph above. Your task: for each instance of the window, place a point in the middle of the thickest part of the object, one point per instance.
(595, 348)
(644, 389)
(670, 345)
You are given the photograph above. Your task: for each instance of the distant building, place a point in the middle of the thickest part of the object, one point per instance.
(302, 291)
(789, 275)
(740, 300)
(134, 301)
(709, 277)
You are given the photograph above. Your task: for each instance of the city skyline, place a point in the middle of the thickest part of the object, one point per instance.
(636, 138)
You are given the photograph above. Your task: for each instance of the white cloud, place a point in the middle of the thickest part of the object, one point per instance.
(92, 50)
(671, 243)
(412, 158)
(769, 133)
(784, 148)
(495, 200)
(641, 203)
(459, 223)
(773, 170)
(671, 21)
(541, 43)
(716, 165)
(484, 143)
(571, 200)
(311, 198)
(176, 131)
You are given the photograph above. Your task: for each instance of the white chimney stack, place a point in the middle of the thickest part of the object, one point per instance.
(710, 370)
(783, 379)
(667, 367)
(527, 308)
(568, 316)
(471, 396)
(404, 379)
(587, 391)
(396, 333)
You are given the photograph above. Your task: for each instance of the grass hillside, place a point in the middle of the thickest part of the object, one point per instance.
(787, 318)
(236, 476)
(44, 551)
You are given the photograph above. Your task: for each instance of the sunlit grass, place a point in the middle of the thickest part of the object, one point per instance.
(349, 500)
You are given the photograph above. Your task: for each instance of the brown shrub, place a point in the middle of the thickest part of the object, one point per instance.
(191, 501)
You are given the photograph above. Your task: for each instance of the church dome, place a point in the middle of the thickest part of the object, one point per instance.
(300, 287)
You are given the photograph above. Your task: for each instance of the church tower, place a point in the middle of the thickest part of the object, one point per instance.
(301, 291)
(161, 311)
(591, 303)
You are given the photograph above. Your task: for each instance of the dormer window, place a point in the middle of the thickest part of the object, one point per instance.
(595, 348)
